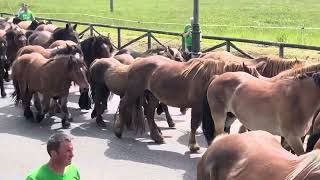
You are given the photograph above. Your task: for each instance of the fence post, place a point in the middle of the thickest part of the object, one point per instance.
(281, 50)
(228, 46)
(91, 30)
(183, 44)
(149, 40)
(119, 37)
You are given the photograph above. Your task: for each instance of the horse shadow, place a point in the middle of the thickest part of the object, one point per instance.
(140, 148)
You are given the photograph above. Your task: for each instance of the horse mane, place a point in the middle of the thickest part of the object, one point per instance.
(309, 164)
(297, 70)
(209, 67)
(275, 65)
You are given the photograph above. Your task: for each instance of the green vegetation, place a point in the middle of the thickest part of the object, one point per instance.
(293, 14)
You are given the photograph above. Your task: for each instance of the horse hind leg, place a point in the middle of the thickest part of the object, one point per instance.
(66, 115)
(155, 132)
(26, 98)
(195, 123)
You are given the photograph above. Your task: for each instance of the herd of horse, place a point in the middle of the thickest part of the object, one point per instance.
(276, 96)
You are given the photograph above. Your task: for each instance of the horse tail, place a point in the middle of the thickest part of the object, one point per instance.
(100, 94)
(312, 140)
(208, 127)
(137, 119)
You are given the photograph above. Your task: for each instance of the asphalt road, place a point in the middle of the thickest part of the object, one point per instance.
(98, 153)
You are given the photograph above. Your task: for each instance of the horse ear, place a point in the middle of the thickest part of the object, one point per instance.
(75, 27)
(246, 68)
(171, 51)
(67, 26)
(81, 36)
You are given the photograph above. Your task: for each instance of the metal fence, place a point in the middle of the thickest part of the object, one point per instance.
(149, 34)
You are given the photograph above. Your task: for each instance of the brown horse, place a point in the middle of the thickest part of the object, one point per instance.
(255, 155)
(49, 53)
(32, 74)
(280, 107)
(46, 27)
(267, 65)
(178, 84)
(110, 75)
(46, 38)
(61, 43)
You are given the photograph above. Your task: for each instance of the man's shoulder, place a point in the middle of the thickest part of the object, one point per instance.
(72, 171)
(37, 172)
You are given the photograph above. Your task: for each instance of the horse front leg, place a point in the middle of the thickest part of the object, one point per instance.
(196, 116)
(66, 117)
(150, 107)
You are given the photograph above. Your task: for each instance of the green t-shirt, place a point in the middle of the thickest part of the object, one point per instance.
(45, 173)
(188, 37)
(26, 15)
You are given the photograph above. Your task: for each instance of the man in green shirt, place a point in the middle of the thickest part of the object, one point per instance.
(25, 14)
(59, 167)
(187, 34)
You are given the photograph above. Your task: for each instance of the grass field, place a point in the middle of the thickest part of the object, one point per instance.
(273, 20)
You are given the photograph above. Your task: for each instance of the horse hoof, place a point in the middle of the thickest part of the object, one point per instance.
(39, 117)
(70, 119)
(194, 148)
(100, 122)
(118, 133)
(3, 94)
(65, 124)
(158, 140)
(93, 114)
(28, 114)
(171, 124)
(183, 111)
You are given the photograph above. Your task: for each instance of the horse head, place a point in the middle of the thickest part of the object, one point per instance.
(102, 46)
(34, 24)
(172, 53)
(67, 33)
(77, 72)
(16, 38)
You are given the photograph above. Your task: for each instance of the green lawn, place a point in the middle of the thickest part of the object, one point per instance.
(232, 13)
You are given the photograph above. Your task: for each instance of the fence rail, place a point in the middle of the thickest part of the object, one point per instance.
(149, 34)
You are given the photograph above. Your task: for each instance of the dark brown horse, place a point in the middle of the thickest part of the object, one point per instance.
(178, 84)
(281, 107)
(94, 47)
(32, 74)
(15, 40)
(255, 155)
(46, 38)
(3, 59)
